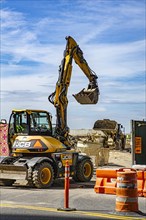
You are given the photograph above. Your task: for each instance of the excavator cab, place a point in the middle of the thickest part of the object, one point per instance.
(28, 122)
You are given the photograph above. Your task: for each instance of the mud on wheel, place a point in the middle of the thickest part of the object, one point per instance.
(43, 175)
(84, 171)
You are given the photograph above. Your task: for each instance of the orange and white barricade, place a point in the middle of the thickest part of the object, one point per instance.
(106, 181)
(141, 179)
(126, 191)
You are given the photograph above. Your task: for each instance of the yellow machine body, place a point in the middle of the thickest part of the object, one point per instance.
(38, 152)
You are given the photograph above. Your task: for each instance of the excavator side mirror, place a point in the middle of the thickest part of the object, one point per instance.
(3, 121)
(87, 96)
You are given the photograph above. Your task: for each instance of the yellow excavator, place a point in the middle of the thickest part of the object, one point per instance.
(39, 151)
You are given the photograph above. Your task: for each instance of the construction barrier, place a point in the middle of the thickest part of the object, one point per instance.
(141, 178)
(126, 191)
(106, 181)
(140, 182)
(4, 150)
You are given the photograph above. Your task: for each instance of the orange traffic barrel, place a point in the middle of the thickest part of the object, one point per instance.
(144, 187)
(126, 191)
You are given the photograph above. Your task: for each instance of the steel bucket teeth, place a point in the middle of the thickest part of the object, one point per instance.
(87, 96)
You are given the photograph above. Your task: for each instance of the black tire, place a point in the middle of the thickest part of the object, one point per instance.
(84, 171)
(6, 182)
(118, 145)
(123, 143)
(43, 175)
(30, 177)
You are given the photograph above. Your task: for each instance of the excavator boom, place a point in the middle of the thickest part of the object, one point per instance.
(59, 97)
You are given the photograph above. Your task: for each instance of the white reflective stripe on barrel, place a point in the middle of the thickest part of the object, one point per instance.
(127, 185)
(121, 179)
(67, 171)
(126, 199)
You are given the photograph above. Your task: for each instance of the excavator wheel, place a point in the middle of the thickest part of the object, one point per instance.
(43, 175)
(6, 182)
(30, 177)
(84, 171)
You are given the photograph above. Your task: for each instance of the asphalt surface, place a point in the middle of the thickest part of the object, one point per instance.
(21, 202)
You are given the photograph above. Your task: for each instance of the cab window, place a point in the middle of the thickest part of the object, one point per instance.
(21, 125)
(40, 123)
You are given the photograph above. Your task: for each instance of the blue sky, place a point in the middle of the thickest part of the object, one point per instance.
(110, 33)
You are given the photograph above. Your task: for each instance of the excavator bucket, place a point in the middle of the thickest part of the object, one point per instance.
(87, 96)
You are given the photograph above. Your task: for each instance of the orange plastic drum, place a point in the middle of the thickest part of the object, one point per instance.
(144, 188)
(126, 191)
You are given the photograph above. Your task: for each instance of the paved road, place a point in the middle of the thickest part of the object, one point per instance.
(22, 202)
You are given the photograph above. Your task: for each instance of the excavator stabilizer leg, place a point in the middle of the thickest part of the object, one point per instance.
(87, 96)
(12, 172)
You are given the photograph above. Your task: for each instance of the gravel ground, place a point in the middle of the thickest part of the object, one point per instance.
(120, 158)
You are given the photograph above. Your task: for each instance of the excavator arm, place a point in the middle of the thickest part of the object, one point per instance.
(59, 97)
(89, 95)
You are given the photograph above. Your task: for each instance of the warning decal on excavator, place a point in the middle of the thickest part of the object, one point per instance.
(65, 157)
(38, 144)
(138, 146)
